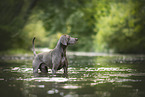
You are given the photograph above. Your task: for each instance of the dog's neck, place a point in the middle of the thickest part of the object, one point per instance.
(62, 48)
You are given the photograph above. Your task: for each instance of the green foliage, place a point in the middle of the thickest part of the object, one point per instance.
(16, 51)
(122, 29)
(100, 25)
(13, 18)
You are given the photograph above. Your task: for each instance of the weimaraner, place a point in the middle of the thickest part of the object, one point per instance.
(56, 58)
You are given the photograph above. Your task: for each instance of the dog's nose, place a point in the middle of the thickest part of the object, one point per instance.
(76, 39)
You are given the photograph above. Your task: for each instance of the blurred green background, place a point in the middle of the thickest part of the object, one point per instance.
(101, 25)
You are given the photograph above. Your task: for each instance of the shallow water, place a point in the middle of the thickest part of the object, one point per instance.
(100, 76)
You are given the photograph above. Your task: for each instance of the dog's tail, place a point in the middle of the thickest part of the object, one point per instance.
(33, 47)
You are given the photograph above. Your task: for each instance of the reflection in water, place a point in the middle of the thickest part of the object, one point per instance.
(45, 79)
(88, 76)
(71, 87)
(53, 91)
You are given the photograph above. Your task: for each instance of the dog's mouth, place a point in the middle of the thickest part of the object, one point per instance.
(73, 41)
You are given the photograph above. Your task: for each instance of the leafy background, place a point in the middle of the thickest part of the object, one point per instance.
(101, 25)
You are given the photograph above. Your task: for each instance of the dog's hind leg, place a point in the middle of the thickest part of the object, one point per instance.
(36, 65)
(43, 68)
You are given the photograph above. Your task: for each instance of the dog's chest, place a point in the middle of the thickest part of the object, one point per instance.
(62, 62)
(63, 58)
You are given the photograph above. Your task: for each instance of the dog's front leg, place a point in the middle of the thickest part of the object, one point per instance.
(65, 70)
(65, 67)
(54, 69)
(55, 64)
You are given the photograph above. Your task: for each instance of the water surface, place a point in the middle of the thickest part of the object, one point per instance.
(97, 76)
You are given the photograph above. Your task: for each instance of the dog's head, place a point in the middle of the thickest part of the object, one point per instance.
(68, 40)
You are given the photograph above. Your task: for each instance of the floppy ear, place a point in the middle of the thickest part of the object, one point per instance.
(63, 40)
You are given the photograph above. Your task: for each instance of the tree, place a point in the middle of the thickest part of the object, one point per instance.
(14, 15)
(122, 29)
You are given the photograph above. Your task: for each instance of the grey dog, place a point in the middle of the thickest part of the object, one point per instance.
(56, 58)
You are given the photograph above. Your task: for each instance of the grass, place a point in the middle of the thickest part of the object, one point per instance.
(16, 52)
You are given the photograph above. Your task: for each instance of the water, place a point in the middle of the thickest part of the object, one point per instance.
(97, 76)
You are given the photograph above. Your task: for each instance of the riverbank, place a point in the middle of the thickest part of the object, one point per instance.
(20, 54)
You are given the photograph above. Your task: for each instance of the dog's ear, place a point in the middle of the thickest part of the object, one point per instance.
(64, 40)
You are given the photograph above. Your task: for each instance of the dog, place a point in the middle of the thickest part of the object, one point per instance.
(55, 59)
